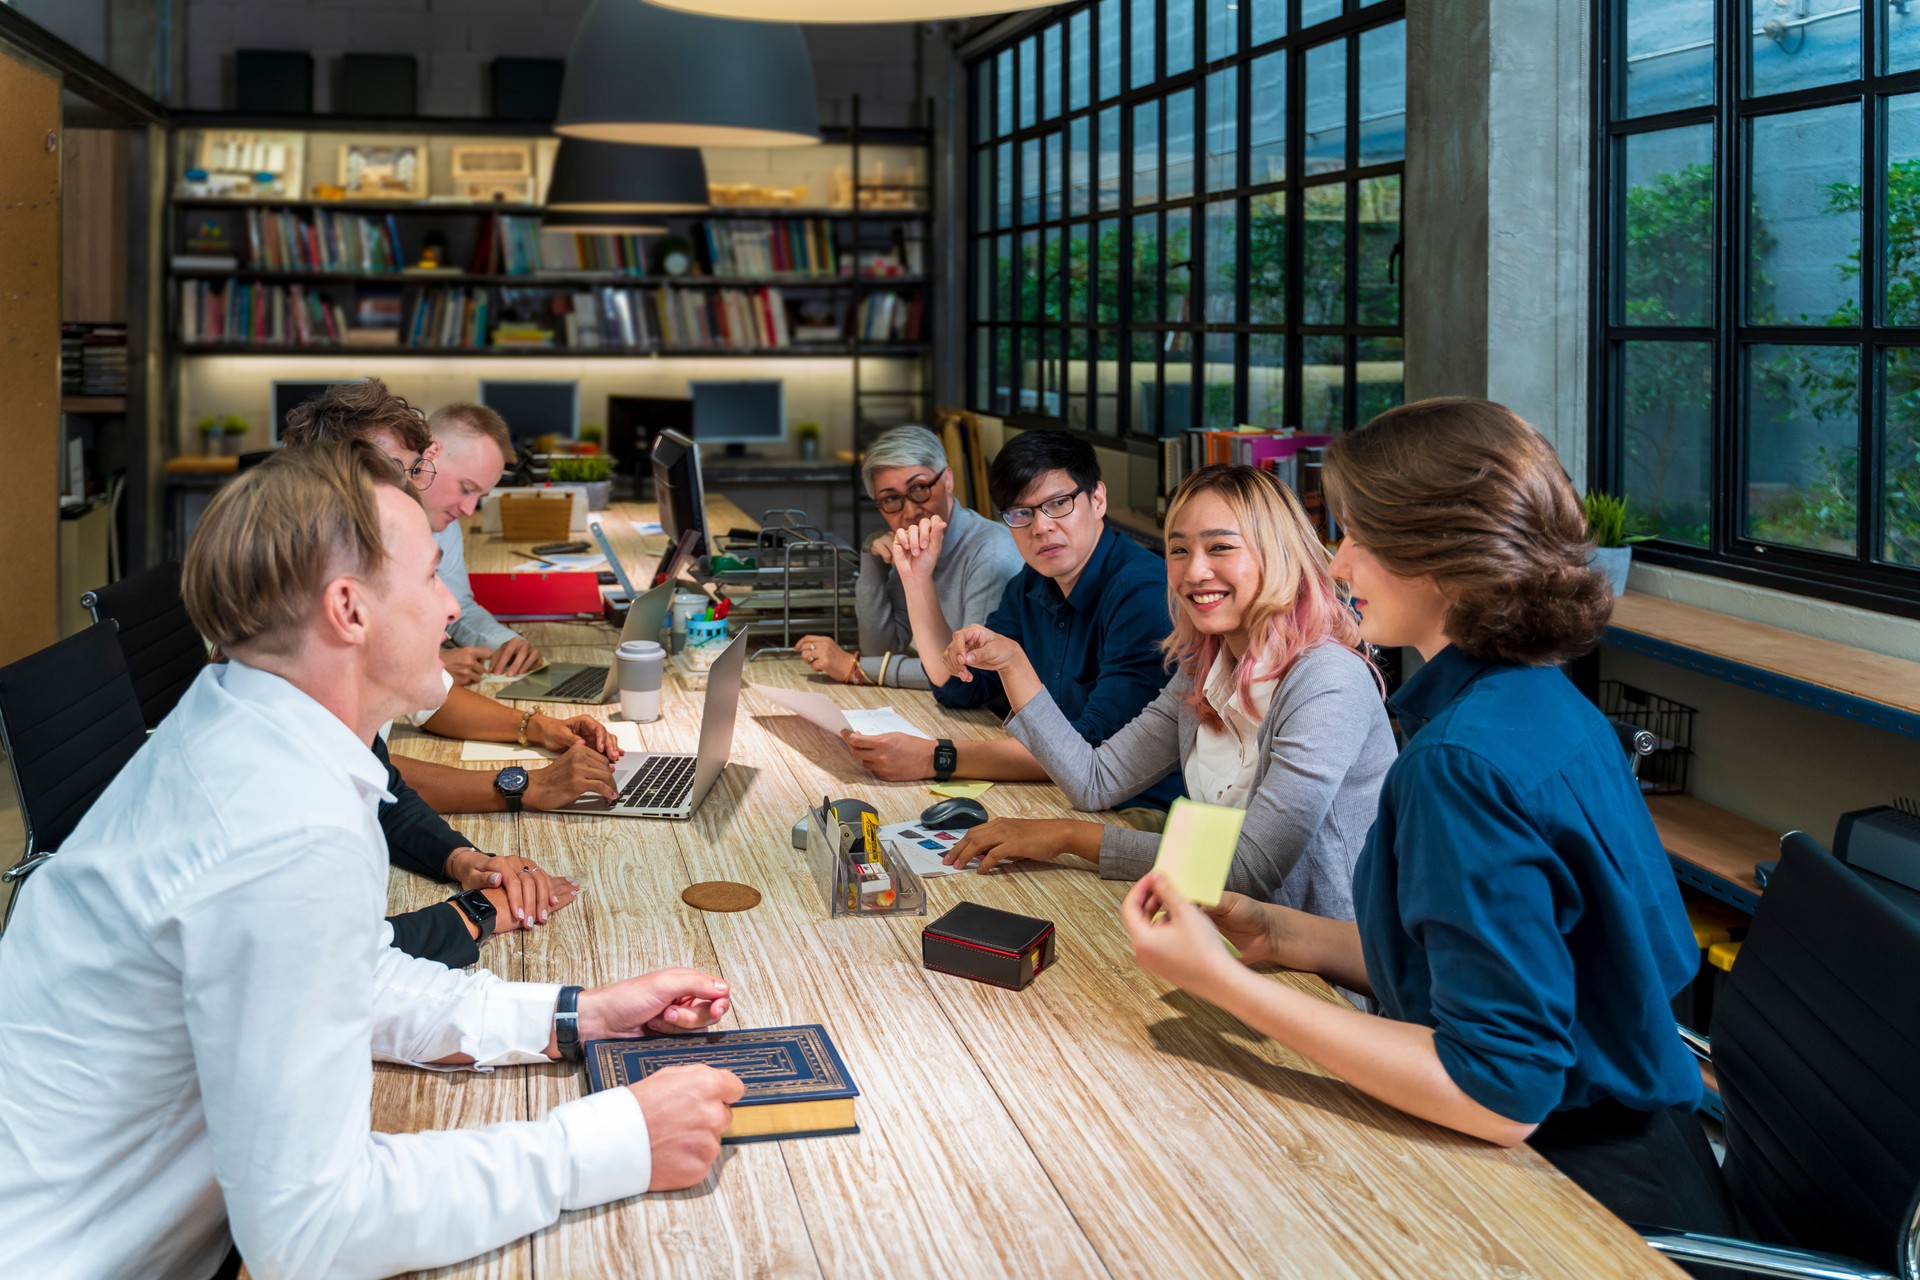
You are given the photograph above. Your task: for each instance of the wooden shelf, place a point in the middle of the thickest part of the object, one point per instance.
(1859, 685)
(547, 280)
(1713, 850)
(467, 207)
(840, 352)
(93, 404)
(199, 464)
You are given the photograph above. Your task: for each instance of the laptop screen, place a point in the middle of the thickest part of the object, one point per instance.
(716, 717)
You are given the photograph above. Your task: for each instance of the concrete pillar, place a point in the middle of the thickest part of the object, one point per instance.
(1497, 209)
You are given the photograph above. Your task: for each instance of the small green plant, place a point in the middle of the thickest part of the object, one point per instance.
(806, 431)
(208, 426)
(233, 425)
(1607, 520)
(579, 470)
(593, 433)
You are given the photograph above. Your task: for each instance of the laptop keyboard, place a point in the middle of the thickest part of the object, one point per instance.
(581, 684)
(664, 782)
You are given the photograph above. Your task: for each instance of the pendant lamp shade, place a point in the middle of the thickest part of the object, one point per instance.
(608, 177)
(611, 224)
(641, 74)
(849, 10)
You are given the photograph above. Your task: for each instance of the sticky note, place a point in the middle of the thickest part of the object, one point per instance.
(929, 844)
(1196, 849)
(960, 790)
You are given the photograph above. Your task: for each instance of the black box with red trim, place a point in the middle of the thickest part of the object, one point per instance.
(996, 947)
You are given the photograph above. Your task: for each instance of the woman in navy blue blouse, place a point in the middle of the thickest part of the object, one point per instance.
(1516, 918)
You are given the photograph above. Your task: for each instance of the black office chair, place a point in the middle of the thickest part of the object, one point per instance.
(163, 651)
(69, 722)
(1638, 743)
(1816, 1042)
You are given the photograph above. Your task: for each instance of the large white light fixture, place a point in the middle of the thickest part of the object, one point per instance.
(848, 10)
(641, 74)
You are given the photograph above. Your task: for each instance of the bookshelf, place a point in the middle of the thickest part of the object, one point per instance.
(279, 270)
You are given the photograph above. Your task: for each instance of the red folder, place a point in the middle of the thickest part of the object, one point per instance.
(538, 595)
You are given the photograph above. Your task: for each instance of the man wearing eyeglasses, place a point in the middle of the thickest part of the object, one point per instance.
(1089, 607)
(906, 474)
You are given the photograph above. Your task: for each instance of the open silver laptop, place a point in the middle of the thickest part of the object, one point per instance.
(583, 682)
(655, 784)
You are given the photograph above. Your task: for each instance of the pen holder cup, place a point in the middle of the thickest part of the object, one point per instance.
(706, 631)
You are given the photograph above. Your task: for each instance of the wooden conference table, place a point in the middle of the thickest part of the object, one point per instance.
(1098, 1123)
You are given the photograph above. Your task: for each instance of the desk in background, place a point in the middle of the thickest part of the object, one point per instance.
(1097, 1124)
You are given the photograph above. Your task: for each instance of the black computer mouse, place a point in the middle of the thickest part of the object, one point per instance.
(956, 815)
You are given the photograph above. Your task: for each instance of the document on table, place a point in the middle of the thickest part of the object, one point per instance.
(649, 529)
(578, 563)
(818, 708)
(625, 732)
(923, 847)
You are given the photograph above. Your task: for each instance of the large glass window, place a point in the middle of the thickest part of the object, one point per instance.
(1200, 226)
(1759, 241)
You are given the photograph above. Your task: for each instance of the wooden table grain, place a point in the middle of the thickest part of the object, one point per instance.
(1099, 1123)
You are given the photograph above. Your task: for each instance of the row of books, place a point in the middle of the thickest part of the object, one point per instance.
(265, 314)
(778, 247)
(890, 317)
(1296, 458)
(93, 359)
(447, 318)
(280, 240)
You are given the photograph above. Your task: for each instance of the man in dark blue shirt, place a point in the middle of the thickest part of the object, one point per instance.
(1089, 608)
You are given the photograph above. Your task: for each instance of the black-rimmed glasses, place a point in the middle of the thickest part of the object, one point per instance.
(1052, 509)
(421, 473)
(917, 493)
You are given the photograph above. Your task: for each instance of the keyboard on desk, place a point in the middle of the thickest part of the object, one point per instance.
(585, 683)
(663, 782)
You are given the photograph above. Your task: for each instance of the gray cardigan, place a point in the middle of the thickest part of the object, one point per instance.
(977, 557)
(1325, 746)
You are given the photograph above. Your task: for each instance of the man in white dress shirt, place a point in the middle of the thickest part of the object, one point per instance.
(197, 986)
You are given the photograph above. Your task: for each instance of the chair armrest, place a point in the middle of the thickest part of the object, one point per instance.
(23, 868)
(1751, 1258)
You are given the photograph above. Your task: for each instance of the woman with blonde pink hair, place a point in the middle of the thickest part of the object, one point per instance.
(1271, 708)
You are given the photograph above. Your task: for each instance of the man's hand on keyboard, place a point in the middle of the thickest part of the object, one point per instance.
(580, 771)
(564, 735)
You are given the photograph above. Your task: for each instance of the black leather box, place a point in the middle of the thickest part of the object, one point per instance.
(995, 947)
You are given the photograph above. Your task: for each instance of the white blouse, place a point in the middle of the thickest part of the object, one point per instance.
(1225, 761)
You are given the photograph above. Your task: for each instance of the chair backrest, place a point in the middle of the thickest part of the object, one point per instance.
(1815, 1039)
(1638, 743)
(70, 722)
(163, 651)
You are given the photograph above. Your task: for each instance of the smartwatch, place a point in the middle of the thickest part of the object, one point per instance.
(511, 783)
(566, 1023)
(474, 905)
(945, 760)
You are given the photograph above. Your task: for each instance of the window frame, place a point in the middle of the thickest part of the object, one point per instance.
(1863, 579)
(1109, 418)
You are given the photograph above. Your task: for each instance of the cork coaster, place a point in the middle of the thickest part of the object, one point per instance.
(721, 895)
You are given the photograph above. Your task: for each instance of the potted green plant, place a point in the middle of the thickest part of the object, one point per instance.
(594, 434)
(594, 473)
(808, 434)
(210, 436)
(1612, 545)
(234, 428)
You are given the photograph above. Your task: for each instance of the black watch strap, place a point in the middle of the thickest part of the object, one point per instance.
(566, 1023)
(945, 759)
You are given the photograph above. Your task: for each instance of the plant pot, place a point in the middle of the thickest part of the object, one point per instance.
(810, 447)
(1614, 562)
(214, 446)
(599, 494)
(234, 446)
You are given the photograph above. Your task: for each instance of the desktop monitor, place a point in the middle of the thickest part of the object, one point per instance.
(634, 422)
(287, 396)
(535, 408)
(678, 490)
(741, 413)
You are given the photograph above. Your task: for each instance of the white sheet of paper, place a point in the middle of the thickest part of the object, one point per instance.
(578, 563)
(912, 848)
(818, 708)
(626, 733)
(648, 528)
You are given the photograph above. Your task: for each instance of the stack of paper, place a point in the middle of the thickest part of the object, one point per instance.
(818, 708)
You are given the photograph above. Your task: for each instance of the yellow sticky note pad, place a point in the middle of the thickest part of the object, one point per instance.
(960, 790)
(1196, 849)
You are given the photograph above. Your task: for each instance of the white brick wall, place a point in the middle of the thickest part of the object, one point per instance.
(455, 40)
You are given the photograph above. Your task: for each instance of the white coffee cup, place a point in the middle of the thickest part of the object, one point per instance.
(639, 665)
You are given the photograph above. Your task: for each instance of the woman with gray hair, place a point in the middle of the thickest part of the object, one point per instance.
(906, 474)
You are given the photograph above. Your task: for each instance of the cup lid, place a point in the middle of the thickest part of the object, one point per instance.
(640, 648)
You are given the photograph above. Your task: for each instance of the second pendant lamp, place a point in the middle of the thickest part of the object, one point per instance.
(642, 74)
(849, 10)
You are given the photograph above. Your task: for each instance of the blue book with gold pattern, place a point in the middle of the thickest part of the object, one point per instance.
(797, 1086)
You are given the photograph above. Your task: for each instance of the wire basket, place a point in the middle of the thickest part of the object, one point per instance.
(1664, 770)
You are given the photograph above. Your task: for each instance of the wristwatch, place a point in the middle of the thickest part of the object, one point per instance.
(474, 905)
(566, 1023)
(945, 760)
(511, 783)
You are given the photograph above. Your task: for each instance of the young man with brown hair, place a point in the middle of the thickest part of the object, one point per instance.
(197, 987)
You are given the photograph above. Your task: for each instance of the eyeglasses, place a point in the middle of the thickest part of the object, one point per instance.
(1052, 509)
(917, 493)
(421, 473)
